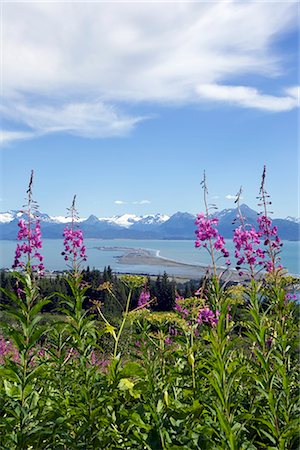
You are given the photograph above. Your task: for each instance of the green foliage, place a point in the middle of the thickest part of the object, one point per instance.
(86, 378)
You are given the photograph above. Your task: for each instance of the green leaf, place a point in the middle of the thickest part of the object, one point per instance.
(159, 406)
(136, 419)
(132, 369)
(125, 384)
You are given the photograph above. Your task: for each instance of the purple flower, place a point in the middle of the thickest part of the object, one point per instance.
(267, 232)
(288, 297)
(207, 232)
(30, 235)
(29, 231)
(206, 315)
(144, 298)
(74, 248)
(247, 250)
(271, 241)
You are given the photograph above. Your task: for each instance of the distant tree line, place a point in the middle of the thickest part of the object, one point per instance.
(163, 288)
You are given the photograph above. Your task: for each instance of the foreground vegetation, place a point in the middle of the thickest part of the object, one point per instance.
(219, 370)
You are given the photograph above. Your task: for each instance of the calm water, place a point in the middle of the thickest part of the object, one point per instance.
(183, 251)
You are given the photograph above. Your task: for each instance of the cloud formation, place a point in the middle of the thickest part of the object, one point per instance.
(249, 97)
(108, 56)
(142, 202)
(136, 202)
(94, 119)
(230, 197)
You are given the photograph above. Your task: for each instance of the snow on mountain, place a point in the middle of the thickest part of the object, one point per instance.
(223, 213)
(63, 219)
(293, 219)
(152, 219)
(6, 217)
(127, 220)
(9, 216)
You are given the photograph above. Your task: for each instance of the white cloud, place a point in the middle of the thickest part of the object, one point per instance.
(120, 202)
(93, 119)
(230, 197)
(77, 74)
(249, 97)
(233, 197)
(142, 202)
(9, 136)
(137, 202)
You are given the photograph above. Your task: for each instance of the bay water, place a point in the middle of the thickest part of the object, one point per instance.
(179, 250)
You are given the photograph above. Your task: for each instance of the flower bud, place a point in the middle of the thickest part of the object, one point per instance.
(166, 397)
(191, 359)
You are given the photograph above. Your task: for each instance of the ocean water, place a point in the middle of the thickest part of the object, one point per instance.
(182, 251)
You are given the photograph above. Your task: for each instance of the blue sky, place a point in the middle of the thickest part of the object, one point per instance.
(126, 103)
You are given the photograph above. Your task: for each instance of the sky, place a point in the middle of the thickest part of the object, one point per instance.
(125, 104)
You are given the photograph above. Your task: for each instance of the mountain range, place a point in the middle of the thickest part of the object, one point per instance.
(180, 225)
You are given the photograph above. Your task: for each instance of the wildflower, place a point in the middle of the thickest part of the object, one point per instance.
(206, 315)
(74, 248)
(269, 342)
(267, 232)
(144, 299)
(288, 297)
(73, 243)
(207, 235)
(247, 243)
(30, 234)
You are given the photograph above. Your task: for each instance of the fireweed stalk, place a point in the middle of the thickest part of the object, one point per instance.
(27, 254)
(81, 330)
(74, 248)
(23, 375)
(247, 244)
(268, 232)
(207, 234)
(132, 282)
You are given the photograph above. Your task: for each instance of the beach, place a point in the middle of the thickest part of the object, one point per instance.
(146, 257)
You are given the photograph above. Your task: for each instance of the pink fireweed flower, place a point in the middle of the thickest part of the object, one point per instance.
(27, 253)
(272, 243)
(74, 248)
(207, 316)
(247, 250)
(8, 351)
(289, 297)
(207, 232)
(247, 243)
(207, 235)
(267, 232)
(144, 299)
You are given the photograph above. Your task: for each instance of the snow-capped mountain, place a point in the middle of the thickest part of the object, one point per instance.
(180, 225)
(7, 217)
(128, 220)
(293, 219)
(63, 219)
(125, 220)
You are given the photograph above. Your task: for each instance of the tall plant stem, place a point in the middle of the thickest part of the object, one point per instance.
(207, 215)
(122, 324)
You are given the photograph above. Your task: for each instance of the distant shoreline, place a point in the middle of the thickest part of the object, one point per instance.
(146, 257)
